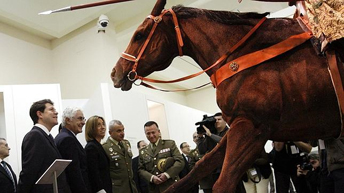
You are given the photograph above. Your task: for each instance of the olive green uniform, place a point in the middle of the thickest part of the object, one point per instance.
(151, 161)
(195, 156)
(120, 166)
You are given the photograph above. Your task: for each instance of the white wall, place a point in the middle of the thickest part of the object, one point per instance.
(23, 62)
(203, 99)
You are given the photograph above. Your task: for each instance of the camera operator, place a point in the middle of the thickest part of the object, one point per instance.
(287, 155)
(311, 170)
(208, 139)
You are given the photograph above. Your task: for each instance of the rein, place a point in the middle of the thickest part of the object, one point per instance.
(132, 75)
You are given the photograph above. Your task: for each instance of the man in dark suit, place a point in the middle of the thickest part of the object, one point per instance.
(70, 148)
(8, 179)
(141, 184)
(39, 150)
(185, 149)
(160, 162)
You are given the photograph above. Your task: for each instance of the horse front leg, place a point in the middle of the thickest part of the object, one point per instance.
(244, 145)
(203, 167)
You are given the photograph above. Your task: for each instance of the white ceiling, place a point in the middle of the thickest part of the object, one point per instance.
(24, 15)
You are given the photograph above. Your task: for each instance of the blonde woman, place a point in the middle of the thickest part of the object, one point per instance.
(97, 160)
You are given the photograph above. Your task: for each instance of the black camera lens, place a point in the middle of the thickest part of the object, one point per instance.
(104, 24)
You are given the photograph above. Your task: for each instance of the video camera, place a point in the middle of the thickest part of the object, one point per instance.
(209, 122)
(305, 164)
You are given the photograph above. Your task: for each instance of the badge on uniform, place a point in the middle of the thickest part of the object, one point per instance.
(165, 163)
(115, 157)
(165, 150)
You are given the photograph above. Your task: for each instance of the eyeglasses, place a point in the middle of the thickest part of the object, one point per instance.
(80, 118)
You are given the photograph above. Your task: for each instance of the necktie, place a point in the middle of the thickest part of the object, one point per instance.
(51, 138)
(188, 159)
(154, 147)
(122, 146)
(9, 174)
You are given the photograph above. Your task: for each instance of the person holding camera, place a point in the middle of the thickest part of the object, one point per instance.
(287, 155)
(210, 132)
(311, 170)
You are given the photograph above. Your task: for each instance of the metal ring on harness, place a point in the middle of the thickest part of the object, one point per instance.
(129, 76)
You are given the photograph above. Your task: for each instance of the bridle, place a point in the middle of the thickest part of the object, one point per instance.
(133, 76)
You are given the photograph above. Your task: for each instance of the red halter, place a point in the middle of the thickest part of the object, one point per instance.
(156, 20)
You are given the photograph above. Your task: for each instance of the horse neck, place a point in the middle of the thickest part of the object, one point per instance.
(206, 41)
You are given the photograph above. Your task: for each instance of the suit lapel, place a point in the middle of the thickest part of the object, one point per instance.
(150, 150)
(52, 143)
(74, 137)
(2, 170)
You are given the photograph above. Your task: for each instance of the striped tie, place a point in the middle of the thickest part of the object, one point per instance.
(9, 174)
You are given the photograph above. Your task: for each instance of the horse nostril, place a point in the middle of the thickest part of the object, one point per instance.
(113, 73)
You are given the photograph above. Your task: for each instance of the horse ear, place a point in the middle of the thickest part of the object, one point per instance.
(158, 7)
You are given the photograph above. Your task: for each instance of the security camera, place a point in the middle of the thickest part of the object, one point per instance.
(103, 22)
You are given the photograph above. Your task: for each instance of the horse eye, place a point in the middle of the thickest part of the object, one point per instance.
(138, 36)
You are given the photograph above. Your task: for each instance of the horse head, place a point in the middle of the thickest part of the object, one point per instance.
(149, 49)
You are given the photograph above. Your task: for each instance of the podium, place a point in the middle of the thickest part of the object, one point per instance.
(53, 171)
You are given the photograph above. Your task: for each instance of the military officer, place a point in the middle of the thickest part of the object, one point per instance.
(160, 162)
(119, 152)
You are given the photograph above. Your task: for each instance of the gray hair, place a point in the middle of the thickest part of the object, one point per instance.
(113, 123)
(69, 112)
(2, 139)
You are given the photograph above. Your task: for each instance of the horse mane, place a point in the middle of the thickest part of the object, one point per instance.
(224, 17)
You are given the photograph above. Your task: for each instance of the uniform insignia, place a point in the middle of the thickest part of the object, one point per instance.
(110, 149)
(115, 157)
(165, 150)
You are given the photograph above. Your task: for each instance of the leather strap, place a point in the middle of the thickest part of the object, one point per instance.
(178, 33)
(336, 81)
(175, 90)
(249, 60)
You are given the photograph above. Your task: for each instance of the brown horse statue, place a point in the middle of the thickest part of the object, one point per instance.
(288, 97)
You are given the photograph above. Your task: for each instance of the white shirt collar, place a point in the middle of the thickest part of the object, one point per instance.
(43, 128)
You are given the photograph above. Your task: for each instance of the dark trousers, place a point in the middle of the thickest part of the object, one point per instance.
(283, 183)
(334, 182)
